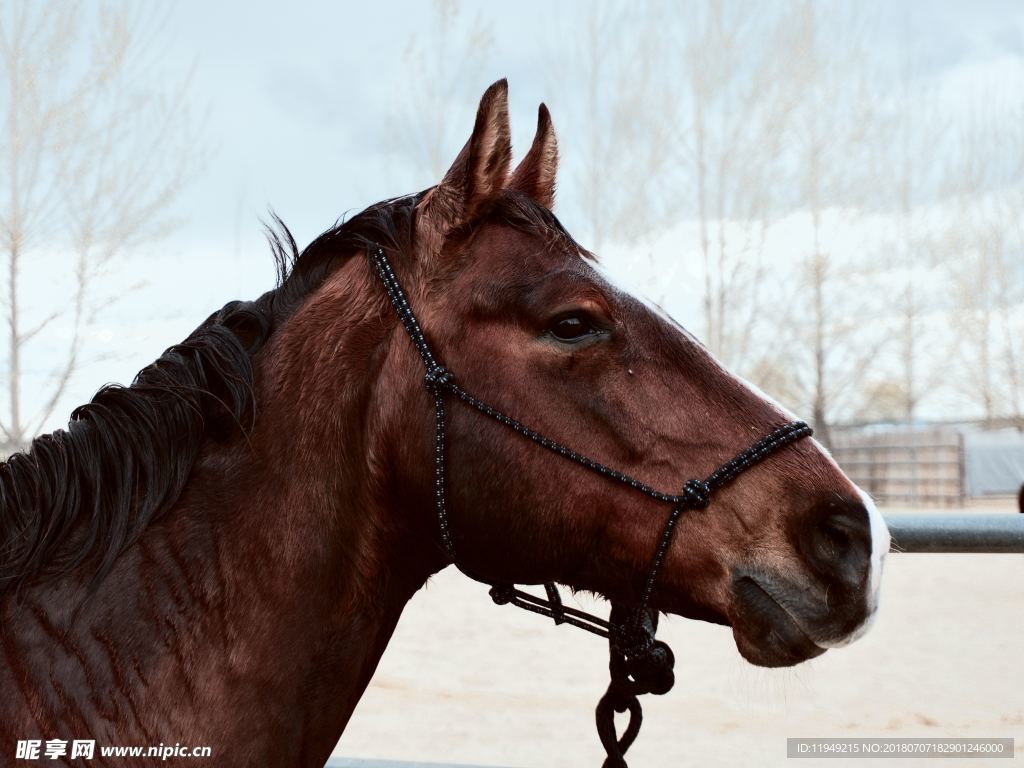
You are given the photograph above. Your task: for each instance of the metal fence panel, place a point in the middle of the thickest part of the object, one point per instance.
(904, 466)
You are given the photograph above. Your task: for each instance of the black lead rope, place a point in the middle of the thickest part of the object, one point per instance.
(638, 663)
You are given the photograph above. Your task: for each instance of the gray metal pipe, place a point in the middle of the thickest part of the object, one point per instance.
(957, 533)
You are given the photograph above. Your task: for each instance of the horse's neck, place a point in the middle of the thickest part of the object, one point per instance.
(252, 615)
(206, 634)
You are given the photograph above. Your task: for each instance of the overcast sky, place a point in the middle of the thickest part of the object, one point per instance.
(306, 111)
(300, 99)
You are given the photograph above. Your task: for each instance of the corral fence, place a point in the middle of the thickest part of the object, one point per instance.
(905, 466)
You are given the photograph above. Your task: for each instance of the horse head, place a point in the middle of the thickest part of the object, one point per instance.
(789, 555)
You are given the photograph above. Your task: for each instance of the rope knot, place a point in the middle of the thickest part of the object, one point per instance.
(698, 493)
(652, 670)
(502, 594)
(438, 379)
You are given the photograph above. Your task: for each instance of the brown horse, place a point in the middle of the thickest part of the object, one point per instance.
(218, 554)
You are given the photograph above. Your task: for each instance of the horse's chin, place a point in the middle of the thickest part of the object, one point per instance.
(765, 633)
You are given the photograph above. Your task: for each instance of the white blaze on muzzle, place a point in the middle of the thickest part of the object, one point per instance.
(880, 540)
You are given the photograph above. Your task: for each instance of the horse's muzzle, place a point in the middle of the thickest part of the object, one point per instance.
(766, 633)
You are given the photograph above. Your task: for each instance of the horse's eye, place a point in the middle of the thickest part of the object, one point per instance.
(572, 328)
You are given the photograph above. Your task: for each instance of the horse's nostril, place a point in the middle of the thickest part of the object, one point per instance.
(841, 528)
(840, 541)
(835, 538)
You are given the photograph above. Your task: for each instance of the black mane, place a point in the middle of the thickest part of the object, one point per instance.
(83, 495)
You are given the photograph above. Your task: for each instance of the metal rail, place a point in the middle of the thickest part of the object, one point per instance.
(957, 533)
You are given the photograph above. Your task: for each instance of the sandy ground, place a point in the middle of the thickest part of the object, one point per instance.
(468, 682)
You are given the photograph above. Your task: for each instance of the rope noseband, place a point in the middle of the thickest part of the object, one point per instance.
(638, 663)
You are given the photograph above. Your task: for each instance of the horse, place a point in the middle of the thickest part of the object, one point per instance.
(219, 553)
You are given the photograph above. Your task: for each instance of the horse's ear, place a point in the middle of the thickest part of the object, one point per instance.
(535, 176)
(478, 174)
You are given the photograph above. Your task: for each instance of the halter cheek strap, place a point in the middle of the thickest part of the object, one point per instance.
(638, 663)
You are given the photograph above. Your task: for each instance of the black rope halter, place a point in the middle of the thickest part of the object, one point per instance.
(638, 663)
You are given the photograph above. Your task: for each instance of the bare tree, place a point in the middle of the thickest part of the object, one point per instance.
(438, 92)
(919, 131)
(985, 256)
(91, 160)
(835, 127)
(621, 153)
(737, 90)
